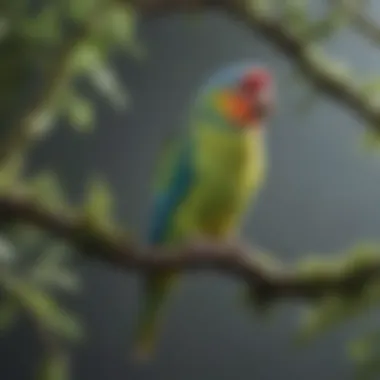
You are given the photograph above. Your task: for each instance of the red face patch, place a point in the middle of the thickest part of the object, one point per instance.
(256, 88)
(255, 81)
(251, 101)
(235, 107)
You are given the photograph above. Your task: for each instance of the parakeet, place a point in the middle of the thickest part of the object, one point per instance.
(208, 177)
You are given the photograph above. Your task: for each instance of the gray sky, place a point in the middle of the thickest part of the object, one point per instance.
(321, 196)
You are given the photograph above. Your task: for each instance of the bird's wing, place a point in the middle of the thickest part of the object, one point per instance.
(174, 179)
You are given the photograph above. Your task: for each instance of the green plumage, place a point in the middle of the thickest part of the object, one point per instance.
(224, 169)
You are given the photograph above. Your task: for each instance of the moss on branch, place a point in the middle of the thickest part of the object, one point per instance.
(111, 247)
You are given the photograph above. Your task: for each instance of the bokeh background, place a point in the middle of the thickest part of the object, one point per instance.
(322, 195)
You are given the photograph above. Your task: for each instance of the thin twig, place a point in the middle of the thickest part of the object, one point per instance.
(363, 23)
(24, 133)
(284, 40)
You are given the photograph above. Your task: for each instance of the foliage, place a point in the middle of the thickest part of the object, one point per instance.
(55, 48)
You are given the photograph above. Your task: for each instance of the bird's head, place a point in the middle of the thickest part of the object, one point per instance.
(243, 93)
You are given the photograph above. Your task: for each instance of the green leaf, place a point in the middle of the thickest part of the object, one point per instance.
(50, 270)
(82, 10)
(316, 267)
(55, 365)
(85, 56)
(371, 85)
(61, 279)
(99, 203)
(80, 113)
(339, 71)
(117, 29)
(370, 89)
(334, 310)
(296, 17)
(46, 26)
(262, 7)
(55, 256)
(25, 237)
(89, 60)
(10, 173)
(7, 251)
(121, 23)
(362, 256)
(105, 80)
(365, 352)
(337, 18)
(361, 349)
(321, 317)
(44, 309)
(43, 121)
(46, 187)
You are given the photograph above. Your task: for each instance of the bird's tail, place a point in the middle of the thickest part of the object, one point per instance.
(156, 291)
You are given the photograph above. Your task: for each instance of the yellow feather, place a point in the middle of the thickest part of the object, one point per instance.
(230, 169)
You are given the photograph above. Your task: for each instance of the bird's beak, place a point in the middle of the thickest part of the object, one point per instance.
(235, 107)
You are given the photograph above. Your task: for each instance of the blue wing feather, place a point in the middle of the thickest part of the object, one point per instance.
(169, 198)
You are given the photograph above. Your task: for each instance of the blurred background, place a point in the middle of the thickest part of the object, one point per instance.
(322, 196)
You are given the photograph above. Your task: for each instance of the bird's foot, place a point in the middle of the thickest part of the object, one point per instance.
(235, 241)
(208, 244)
(202, 242)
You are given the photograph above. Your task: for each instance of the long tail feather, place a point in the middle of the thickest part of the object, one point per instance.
(153, 304)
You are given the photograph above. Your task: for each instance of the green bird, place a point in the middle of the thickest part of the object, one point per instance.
(208, 177)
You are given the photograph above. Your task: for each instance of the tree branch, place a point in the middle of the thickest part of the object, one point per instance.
(233, 260)
(286, 41)
(368, 29)
(362, 23)
(26, 129)
(113, 248)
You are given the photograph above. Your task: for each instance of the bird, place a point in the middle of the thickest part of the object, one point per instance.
(207, 178)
